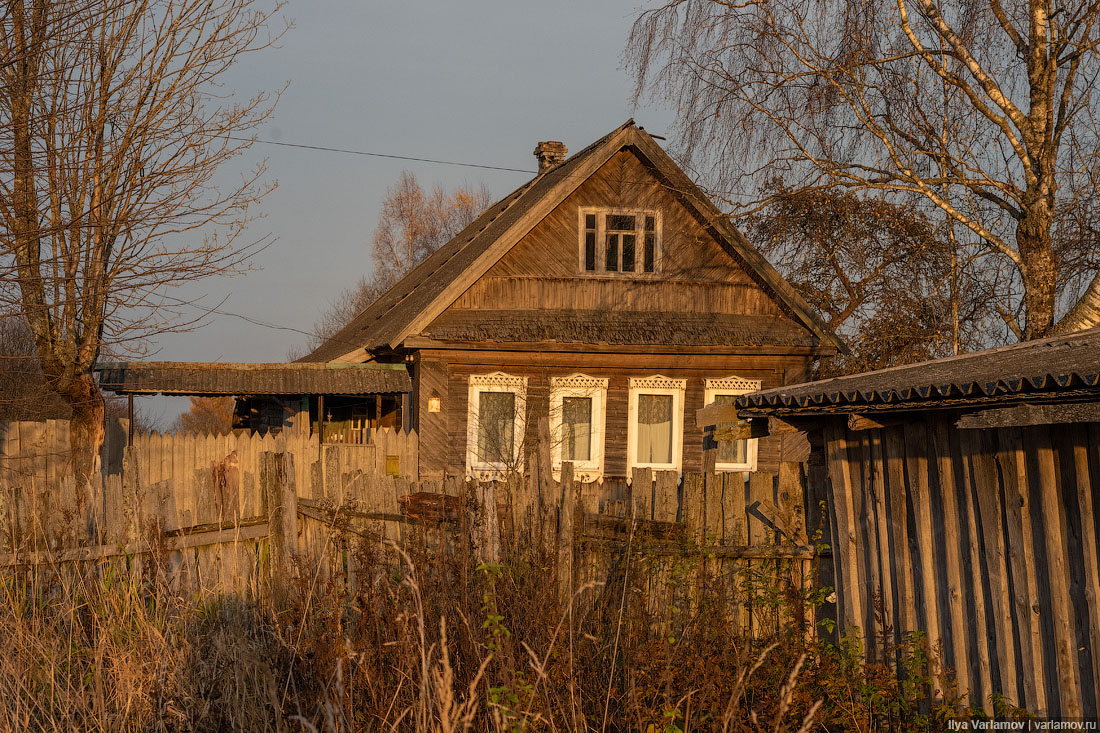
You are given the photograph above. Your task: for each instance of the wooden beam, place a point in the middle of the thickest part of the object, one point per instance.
(715, 413)
(542, 347)
(757, 427)
(245, 531)
(866, 422)
(1021, 415)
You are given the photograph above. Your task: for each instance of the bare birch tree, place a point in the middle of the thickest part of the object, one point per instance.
(884, 277)
(113, 123)
(411, 225)
(980, 112)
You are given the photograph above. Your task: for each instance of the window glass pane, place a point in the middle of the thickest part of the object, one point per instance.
(496, 427)
(589, 221)
(737, 451)
(654, 428)
(628, 253)
(620, 222)
(612, 261)
(590, 251)
(650, 224)
(576, 428)
(650, 251)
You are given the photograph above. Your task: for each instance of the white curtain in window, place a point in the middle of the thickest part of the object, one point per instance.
(576, 428)
(654, 428)
(496, 427)
(738, 450)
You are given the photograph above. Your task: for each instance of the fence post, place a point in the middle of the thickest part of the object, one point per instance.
(133, 496)
(566, 512)
(484, 526)
(547, 496)
(277, 483)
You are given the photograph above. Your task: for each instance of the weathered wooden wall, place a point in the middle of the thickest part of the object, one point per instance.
(986, 539)
(446, 430)
(552, 250)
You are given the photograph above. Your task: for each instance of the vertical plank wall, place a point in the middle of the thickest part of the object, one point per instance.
(985, 539)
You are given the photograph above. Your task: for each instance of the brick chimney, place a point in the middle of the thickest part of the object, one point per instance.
(550, 154)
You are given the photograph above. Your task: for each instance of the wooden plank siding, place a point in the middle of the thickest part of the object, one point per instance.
(592, 292)
(985, 540)
(445, 432)
(552, 248)
(541, 277)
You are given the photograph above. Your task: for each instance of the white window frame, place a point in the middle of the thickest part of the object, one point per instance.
(495, 382)
(733, 385)
(656, 385)
(602, 212)
(579, 385)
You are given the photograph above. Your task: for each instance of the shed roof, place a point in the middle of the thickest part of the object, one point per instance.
(1066, 365)
(414, 301)
(195, 378)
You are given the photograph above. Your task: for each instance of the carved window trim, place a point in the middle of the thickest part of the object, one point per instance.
(579, 385)
(656, 385)
(486, 470)
(601, 213)
(733, 385)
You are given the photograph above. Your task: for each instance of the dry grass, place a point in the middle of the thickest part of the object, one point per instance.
(435, 642)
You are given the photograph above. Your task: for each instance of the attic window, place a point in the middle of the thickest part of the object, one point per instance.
(620, 241)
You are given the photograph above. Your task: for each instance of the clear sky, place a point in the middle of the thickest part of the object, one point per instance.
(479, 81)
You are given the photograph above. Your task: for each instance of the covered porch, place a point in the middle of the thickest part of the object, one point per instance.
(341, 403)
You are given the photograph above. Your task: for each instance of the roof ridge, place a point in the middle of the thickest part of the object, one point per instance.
(386, 303)
(514, 196)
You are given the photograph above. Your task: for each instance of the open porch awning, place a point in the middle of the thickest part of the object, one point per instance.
(213, 379)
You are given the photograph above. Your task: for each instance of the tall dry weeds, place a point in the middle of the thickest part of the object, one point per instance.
(428, 640)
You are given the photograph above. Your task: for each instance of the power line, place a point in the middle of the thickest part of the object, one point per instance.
(413, 158)
(255, 321)
(383, 155)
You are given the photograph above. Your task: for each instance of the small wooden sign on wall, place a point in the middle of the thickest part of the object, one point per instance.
(393, 465)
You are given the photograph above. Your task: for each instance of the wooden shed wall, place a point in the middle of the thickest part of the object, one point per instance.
(543, 270)
(443, 435)
(984, 538)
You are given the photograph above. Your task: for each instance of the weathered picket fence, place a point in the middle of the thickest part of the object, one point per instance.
(227, 513)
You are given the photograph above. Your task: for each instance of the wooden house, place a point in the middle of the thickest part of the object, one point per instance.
(961, 501)
(607, 295)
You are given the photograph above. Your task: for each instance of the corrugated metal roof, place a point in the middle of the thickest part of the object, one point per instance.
(1069, 363)
(195, 378)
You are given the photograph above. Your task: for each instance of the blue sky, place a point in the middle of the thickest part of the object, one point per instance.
(478, 81)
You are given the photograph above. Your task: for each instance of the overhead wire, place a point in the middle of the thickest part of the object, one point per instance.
(346, 151)
(390, 156)
(257, 322)
(437, 161)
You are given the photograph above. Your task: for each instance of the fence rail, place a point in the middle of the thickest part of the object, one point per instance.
(230, 510)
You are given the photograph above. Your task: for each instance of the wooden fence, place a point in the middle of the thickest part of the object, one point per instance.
(985, 539)
(232, 510)
(200, 491)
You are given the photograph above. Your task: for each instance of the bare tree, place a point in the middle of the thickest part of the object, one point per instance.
(980, 112)
(211, 415)
(24, 394)
(411, 225)
(883, 275)
(113, 124)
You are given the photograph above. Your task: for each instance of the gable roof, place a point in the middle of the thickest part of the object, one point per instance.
(425, 292)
